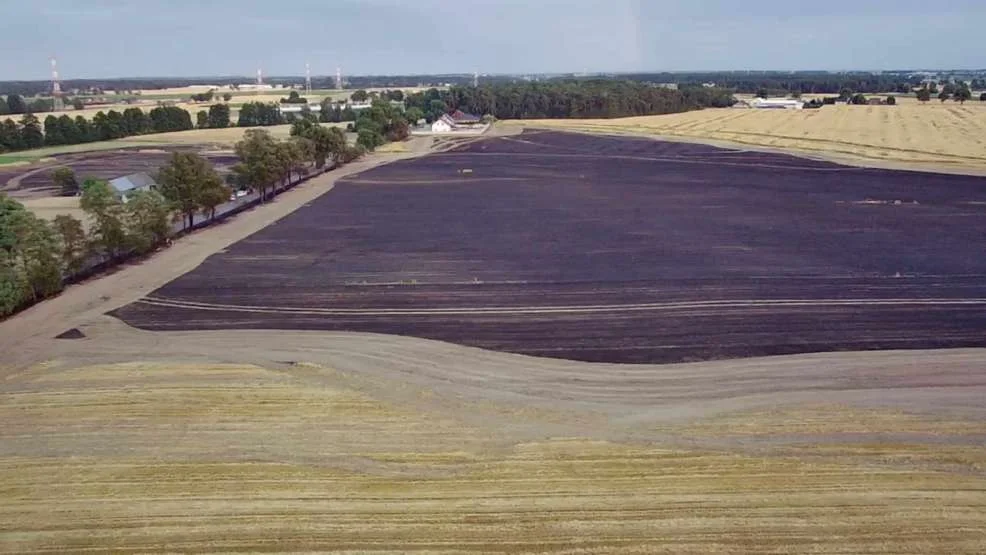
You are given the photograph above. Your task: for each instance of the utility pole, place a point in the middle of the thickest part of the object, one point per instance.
(339, 78)
(308, 79)
(260, 79)
(475, 79)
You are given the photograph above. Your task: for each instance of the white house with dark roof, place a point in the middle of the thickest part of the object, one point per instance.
(126, 186)
(444, 124)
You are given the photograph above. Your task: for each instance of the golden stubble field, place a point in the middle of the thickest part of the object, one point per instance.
(935, 135)
(300, 456)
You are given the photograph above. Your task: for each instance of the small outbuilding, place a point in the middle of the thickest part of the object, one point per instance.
(126, 186)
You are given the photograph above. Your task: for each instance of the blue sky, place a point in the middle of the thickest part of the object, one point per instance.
(113, 38)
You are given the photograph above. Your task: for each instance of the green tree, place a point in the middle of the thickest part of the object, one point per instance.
(73, 242)
(29, 255)
(294, 98)
(369, 139)
(148, 217)
(106, 213)
(924, 95)
(227, 97)
(357, 96)
(302, 155)
(202, 119)
(414, 114)
(41, 105)
(858, 99)
(136, 122)
(13, 285)
(53, 133)
(64, 179)
(962, 94)
(10, 136)
(86, 132)
(212, 197)
(254, 114)
(762, 93)
(170, 118)
(115, 124)
(934, 88)
(891, 100)
(185, 179)
(16, 104)
(41, 259)
(69, 130)
(943, 96)
(258, 166)
(982, 97)
(31, 134)
(78, 104)
(219, 116)
(328, 142)
(436, 108)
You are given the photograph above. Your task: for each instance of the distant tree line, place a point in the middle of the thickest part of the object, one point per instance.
(779, 82)
(27, 133)
(38, 257)
(565, 99)
(14, 104)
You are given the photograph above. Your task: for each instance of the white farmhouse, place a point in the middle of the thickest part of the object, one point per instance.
(444, 124)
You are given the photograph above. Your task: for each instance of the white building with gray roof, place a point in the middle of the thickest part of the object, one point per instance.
(125, 186)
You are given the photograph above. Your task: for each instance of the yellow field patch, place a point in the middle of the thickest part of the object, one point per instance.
(943, 134)
(202, 456)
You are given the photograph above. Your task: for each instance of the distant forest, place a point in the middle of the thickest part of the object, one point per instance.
(567, 99)
(780, 82)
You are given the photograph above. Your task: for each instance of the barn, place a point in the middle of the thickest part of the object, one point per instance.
(125, 186)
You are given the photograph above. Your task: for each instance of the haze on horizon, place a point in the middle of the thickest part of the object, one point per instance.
(120, 38)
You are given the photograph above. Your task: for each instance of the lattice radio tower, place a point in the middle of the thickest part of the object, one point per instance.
(475, 79)
(339, 78)
(308, 78)
(58, 103)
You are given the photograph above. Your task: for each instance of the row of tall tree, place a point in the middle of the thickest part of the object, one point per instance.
(16, 104)
(217, 117)
(265, 161)
(566, 99)
(253, 114)
(37, 256)
(27, 133)
(959, 92)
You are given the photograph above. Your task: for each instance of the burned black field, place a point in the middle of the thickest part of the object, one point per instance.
(611, 249)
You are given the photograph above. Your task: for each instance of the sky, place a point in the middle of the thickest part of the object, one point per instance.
(186, 38)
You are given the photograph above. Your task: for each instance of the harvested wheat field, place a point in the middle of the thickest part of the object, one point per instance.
(122, 440)
(936, 136)
(228, 136)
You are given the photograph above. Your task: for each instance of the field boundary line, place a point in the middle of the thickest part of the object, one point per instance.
(570, 309)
